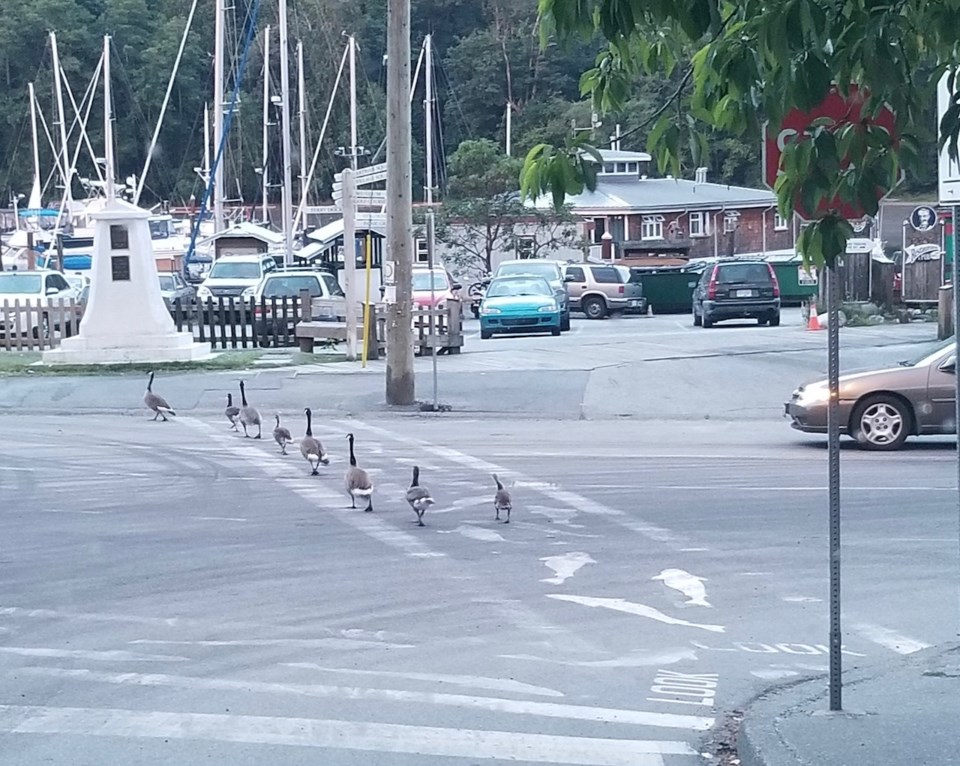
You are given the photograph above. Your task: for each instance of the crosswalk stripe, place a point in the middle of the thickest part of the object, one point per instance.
(326, 691)
(342, 735)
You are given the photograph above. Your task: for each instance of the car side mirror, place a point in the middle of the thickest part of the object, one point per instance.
(456, 286)
(52, 291)
(950, 365)
(568, 278)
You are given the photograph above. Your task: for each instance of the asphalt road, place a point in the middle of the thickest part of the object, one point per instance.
(175, 594)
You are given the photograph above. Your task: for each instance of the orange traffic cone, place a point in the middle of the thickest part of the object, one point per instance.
(813, 323)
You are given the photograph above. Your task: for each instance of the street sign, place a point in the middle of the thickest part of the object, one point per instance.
(923, 218)
(321, 209)
(365, 176)
(797, 121)
(806, 276)
(948, 169)
(365, 197)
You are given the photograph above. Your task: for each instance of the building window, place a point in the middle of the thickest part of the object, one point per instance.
(699, 224)
(652, 227)
(119, 238)
(730, 222)
(422, 252)
(526, 246)
(780, 223)
(599, 227)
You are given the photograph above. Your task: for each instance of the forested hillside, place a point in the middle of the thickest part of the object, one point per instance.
(487, 54)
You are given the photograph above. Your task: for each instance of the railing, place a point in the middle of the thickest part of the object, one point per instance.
(237, 323)
(38, 326)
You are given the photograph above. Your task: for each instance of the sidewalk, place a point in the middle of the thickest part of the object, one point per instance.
(906, 713)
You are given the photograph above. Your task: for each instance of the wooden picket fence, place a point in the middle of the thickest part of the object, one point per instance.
(235, 323)
(39, 326)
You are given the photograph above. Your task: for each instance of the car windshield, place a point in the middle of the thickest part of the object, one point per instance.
(167, 283)
(421, 281)
(930, 353)
(77, 282)
(546, 270)
(290, 287)
(13, 284)
(235, 270)
(508, 288)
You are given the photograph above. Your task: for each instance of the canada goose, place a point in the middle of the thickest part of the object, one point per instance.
(418, 497)
(282, 436)
(502, 501)
(358, 481)
(232, 412)
(156, 402)
(312, 449)
(249, 416)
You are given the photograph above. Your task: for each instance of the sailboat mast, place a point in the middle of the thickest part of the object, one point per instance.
(61, 117)
(302, 101)
(108, 120)
(218, 91)
(265, 192)
(287, 202)
(206, 144)
(35, 189)
(353, 102)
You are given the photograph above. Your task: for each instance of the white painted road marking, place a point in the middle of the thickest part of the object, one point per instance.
(890, 639)
(323, 691)
(89, 654)
(340, 735)
(565, 566)
(689, 585)
(307, 643)
(475, 682)
(641, 610)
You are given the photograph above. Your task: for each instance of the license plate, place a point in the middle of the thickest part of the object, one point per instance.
(744, 293)
(634, 304)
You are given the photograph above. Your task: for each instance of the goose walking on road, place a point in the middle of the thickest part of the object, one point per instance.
(232, 412)
(282, 436)
(249, 416)
(418, 497)
(312, 449)
(502, 500)
(358, 481)
(156, 402)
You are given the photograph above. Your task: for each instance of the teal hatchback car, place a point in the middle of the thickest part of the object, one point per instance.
(522, 303)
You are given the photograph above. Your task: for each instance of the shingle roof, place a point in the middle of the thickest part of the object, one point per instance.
(655, 195)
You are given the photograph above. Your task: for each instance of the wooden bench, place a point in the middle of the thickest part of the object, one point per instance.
(328, 327)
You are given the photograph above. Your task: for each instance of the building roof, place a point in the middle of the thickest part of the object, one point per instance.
(616, 196)
(247, 229)
(615, 155)
(328, 234)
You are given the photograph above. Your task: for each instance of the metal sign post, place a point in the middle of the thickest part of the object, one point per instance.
(833, 460)
(956, 346)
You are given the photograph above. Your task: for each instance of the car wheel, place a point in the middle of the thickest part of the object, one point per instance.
(554, 331)
(565, 322)
(706, 321)
(775, 319)
(594, 308)
(43, 329)
(762, 320)
(697, 319)
(486, 334)
(881, 422)
(475, 310)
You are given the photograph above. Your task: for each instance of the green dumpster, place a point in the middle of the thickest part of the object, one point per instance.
(669, 291)
(796, 285)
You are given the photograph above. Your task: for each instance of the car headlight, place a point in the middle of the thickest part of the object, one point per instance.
(810, 395)
(550, 307)
(489, 310)
(247, 294)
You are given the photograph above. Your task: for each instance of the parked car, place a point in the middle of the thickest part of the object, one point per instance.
(287, 284)
(737, 289)
(232, 274)
(552, 271)
(633, 289)
(175, 290)
(37, 289)
(81, 283)
(598, 290)
(520, 303)
(444, 288)
(881, 408)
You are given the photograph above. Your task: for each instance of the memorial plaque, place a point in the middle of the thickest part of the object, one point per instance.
(120, 268)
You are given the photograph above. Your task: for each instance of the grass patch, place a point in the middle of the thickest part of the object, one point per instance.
(25, 364)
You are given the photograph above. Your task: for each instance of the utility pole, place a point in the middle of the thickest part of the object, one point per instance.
(265, 174)
(431, 222)
(509, 128)
(353, 102)
(287, 202)
(400, 384)
(349, 205)
(218, 88)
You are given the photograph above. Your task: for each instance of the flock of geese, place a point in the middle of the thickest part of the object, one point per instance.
(356, 480)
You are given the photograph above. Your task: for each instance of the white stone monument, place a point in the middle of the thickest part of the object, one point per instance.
(126, 319)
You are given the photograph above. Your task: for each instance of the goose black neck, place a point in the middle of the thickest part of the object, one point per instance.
(309, 429)
(499, 484)
(243, 394)
(229, 399)
(353, 458)
(416, 476)
(278, 420)
(150, 382)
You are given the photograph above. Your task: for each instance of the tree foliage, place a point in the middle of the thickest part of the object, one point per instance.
(754, 61)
